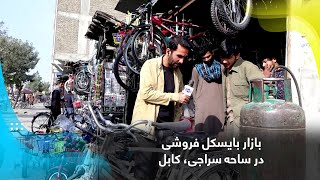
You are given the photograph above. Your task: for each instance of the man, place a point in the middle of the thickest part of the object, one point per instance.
(69, 99)
(159, 99)
(56, 100)
(24, 97)
(161, 83)
(237, 75)
(277, 73)
(208, 93)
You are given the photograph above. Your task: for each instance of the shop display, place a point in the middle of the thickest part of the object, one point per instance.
(114, 94)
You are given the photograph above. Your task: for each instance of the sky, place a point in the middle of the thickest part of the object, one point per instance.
(32, 21)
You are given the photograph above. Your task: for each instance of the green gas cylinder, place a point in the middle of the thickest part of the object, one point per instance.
(279, 125)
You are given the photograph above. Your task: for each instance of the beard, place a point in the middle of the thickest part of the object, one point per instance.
(172, 64)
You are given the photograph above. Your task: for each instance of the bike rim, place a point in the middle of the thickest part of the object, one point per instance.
(58, 176)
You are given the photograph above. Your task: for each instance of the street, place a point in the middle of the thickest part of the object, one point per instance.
(34, 165)
(26, 115)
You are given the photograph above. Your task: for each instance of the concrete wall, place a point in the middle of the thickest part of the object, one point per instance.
(71, 22)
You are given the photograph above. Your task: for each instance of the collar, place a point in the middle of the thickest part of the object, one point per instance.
(160, 62)
(236, 66)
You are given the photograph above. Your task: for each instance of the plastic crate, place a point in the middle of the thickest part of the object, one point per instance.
(27, 142)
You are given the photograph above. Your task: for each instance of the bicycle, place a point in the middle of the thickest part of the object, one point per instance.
(150, 40)
(235, 13)
(69, 161)
(117, 148)
(43, 122)
(82, 80)
(35, 145)
(103, 24)
(39, 126)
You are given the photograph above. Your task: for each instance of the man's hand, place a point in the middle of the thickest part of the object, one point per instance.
(267, 70)
(183, 99)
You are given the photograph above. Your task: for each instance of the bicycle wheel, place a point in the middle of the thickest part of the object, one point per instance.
(143, 49)
(54, 174)
(236, 13)
(218, 21)
(68, 85)
(40, 123)
(129, 81)
(130, 61)
(82, 82)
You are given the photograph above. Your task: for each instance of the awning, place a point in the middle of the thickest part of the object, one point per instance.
(26, 91)
(58, 66)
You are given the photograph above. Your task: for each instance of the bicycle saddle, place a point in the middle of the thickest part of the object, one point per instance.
(96, 29)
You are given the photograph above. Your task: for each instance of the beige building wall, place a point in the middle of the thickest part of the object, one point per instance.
(72, 19)
(302, 62)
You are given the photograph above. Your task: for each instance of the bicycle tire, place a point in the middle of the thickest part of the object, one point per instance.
(130, 61)
(116, 73)
(47, 115)
(80, 88)
(67, 85)
(52, 174)
(243, 23)
(218, 21)
(157, 36)
(124, 41)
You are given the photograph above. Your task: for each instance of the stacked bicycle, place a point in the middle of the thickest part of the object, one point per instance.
(116, 146)
(145, 36)
(79, 79)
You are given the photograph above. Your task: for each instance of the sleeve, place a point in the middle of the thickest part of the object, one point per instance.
(181, 85)
(147, 91)
(72, 98)
(253, 72)
(195, 79)
(55, 98)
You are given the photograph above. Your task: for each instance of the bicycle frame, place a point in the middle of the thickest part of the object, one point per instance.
(157, 20)
(122, 168)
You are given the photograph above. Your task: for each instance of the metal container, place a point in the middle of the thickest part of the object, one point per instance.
(280, 126)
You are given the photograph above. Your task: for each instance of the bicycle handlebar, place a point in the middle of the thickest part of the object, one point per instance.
(174, 126)
(96, 119)
(32, 134)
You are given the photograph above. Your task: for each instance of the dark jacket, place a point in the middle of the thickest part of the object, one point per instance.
(56, 99)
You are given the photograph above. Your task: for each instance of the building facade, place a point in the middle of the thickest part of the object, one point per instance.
(72, 18)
